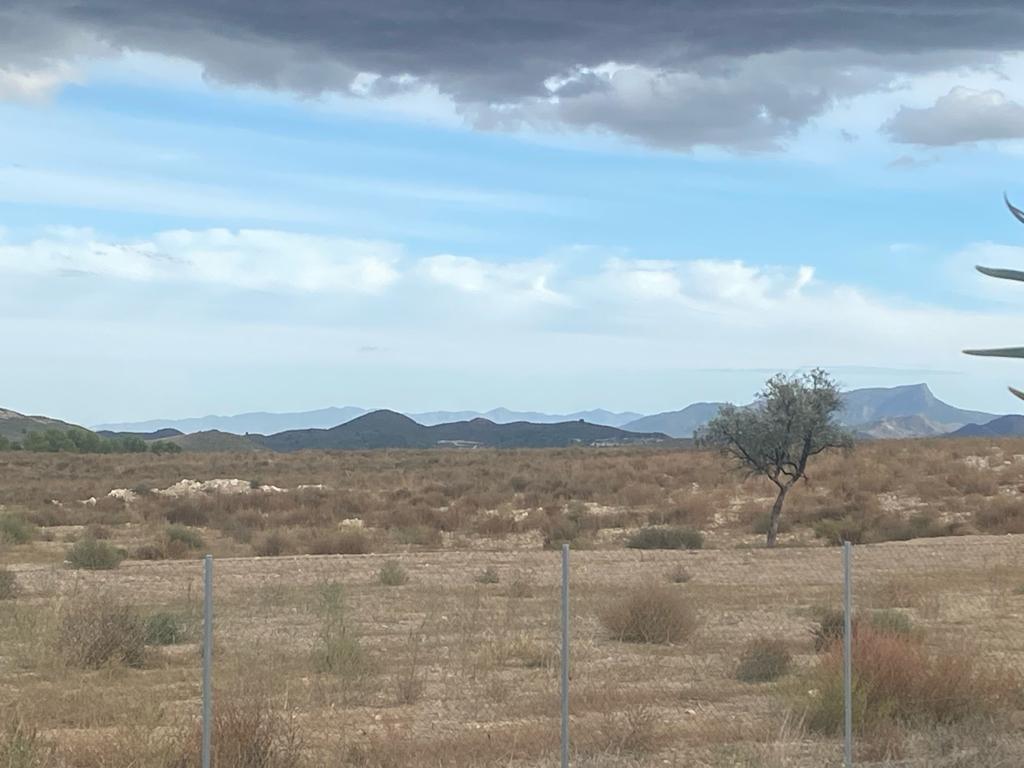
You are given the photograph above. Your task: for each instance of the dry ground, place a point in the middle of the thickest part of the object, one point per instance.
(455, 672)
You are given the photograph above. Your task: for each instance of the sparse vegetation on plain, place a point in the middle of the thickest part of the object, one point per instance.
(659, 635)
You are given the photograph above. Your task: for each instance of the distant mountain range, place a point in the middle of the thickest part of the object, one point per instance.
(906, 411)
(877, 413)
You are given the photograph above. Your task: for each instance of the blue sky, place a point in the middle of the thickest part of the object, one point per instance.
(176, 243)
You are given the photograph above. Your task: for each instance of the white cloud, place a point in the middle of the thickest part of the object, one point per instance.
(248, 259)
(964, 115)
(34, 85)
(526, 280)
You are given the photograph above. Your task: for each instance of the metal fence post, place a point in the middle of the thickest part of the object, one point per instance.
(565, 656)
(847, 658)
(207, 657)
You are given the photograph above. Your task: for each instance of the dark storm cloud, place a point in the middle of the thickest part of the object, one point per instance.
(691, 80)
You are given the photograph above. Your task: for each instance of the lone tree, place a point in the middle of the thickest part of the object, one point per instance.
(791, 421)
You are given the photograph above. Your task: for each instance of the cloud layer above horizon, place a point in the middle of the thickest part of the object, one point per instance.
(737, 74)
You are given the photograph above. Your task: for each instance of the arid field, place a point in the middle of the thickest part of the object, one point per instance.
(401, 608)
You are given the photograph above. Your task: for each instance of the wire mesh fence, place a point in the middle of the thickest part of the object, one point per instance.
(729, 657)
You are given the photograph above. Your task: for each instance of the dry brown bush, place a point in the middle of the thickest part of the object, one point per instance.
(98, 629)
(654, 613)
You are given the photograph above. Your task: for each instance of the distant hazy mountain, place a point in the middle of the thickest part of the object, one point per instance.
(14, 425)
(387, 429)
(881, 412)
(261, 423)
(676, 423)
(863, 406)
(258, 423)
(1004, 426)
(896, 427)
(159, 434)
(505, 416)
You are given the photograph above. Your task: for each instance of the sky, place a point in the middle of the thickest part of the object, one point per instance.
(635, 205)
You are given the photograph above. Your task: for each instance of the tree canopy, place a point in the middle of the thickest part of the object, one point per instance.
(792, 420)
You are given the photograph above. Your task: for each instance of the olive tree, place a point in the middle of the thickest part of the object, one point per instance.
(792, 420)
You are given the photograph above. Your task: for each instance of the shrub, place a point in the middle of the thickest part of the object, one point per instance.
(900, 680)
(829, 629)
(247, 734)
(185, 537)
(14, 529)
(762, 522)
(520, 587)
(272, 544)
(679, 575)
(351, 542)
(149, 552)
(8, 586)
(560, 530)
(392, 574)
(187, 513)
(337, 650)
(665, 537)
(97, 630)
(93, 555)
(763, 660)
(847, 528)
(97, 531)
(654, 613)
(164, 628)
(890, 622)
(488, 575)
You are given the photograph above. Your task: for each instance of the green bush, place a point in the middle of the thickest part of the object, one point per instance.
(8, 586)
(488, 575)
(98, 630)
(890, 622)
(763, 660)
(14, 529)
(93, 555)
(165, 628)
(655, 613)
(392, 574)
(835, 532)
(184, 536)
(337, 650)
(666, 537)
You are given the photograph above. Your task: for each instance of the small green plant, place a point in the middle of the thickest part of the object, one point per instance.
(14, 529)
(392, 574)
(9, 588)
(93, 555)
(337, 650)
(665, 537)
(655, 613)
(96, 630)
(184, 536)
(488, 575)
(763, 660)
(890, 622)
(164, 628)
(351, 542)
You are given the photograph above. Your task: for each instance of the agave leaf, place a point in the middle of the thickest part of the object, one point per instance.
(1004, 352)
(1005, 274)
(1017, 212)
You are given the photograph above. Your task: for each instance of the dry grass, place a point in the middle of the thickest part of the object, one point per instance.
(454, 669)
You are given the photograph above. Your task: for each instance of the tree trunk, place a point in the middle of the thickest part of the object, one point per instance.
(773, 521)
